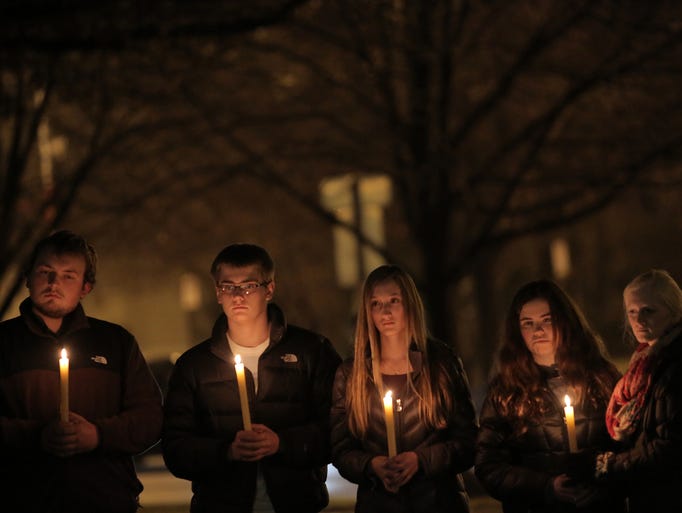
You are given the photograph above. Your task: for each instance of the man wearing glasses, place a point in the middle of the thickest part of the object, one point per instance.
(280, 463)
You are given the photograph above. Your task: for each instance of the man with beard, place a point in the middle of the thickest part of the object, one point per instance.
(82, 461)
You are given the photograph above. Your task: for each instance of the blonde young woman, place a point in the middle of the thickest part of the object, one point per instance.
(645, 411)
(435, 423)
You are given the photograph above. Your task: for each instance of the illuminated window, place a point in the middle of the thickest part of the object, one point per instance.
(190, 292)
(357, 201)
(560, 255)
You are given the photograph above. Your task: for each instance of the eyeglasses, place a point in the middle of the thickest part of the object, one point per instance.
(242, 288)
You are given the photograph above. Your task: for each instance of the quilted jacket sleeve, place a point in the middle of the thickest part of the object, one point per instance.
(495, 467)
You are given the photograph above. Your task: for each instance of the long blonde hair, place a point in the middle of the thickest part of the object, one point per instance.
(433, 404)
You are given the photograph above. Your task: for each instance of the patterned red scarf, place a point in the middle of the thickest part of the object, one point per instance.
(627, 400)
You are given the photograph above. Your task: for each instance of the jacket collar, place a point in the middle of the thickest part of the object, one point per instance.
(548, 371)
(667, 350)
(72, 322)
(671, 337)
(219, 345)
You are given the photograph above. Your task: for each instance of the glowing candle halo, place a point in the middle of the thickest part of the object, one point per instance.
(64, 386)
(570, 425)
(390, 424)
(243, 396)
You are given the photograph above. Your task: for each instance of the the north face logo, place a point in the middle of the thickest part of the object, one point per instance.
(289, 358)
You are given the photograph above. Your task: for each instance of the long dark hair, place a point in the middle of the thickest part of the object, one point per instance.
(516, 388)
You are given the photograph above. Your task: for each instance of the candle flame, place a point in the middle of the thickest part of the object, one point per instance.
(388, 395)
(237, 359)
(64, 353)
(567, 400)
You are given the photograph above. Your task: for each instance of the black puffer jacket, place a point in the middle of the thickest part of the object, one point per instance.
(651, 468)
(203, 414)
(443, 454)
(518, 468)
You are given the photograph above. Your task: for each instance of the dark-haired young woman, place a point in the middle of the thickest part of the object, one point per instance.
(523, 458)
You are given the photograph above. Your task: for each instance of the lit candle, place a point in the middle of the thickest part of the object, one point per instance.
(64, 387)
(390, 425)
(243, 397)
(570, 425)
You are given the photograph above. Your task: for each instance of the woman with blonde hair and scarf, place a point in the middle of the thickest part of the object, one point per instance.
(645, 411)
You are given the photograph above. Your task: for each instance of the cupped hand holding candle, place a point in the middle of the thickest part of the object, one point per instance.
(243, 396)
(390, 424)
(570, 425)
(64, 387)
